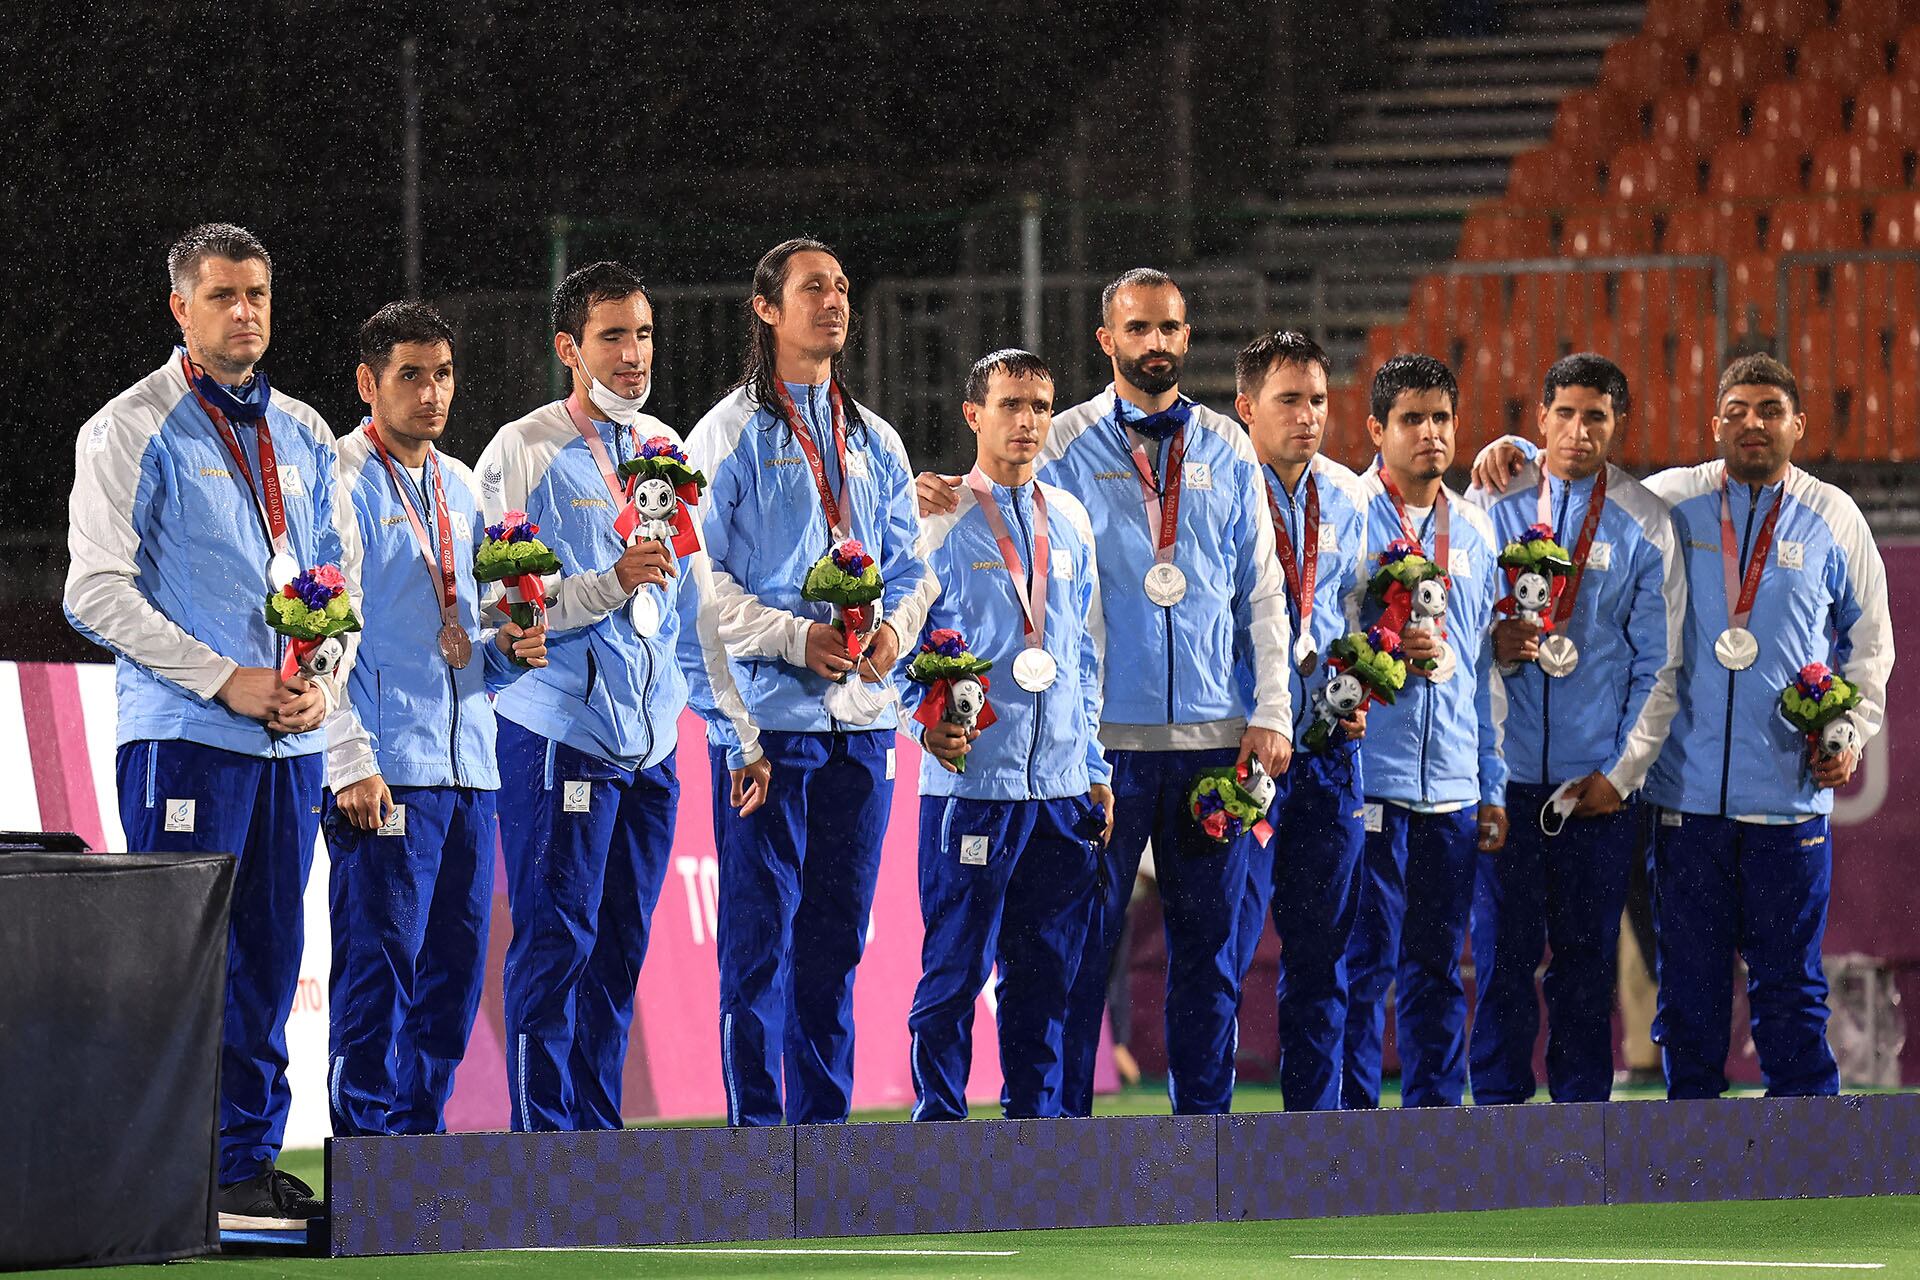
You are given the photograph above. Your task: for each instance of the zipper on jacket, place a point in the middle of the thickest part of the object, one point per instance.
(1039, 698)
(593, 673)
(1726, 741)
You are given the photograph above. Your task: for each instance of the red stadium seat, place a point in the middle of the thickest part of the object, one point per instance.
(1843, 59)
(1798, 111)
(1896, 221)
(1752, 304)
(1907, 58)
(1878, 18)
(1721, 228)
(1493, 232)
(1784, 20)
(1847, 163)
(1888, 107)
(1593, 123)
(1683, 22)
(1640, 67)
(1740, 61)
(1650, 173)
(1814, 223)
(1547, 177)
(1696, 120)
(1602, 232)
(1749, 168)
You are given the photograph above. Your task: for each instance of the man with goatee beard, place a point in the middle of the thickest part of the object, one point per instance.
(1188, 580)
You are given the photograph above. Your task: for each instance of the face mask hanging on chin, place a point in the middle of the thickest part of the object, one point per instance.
(622, 410)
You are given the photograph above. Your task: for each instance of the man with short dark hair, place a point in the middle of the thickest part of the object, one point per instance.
(588, 740)
(1012, 815)
(411, 827)
(800, 468)
(1188, 579)
(1782, 574)
(1435, 779)
(198, 492)
(1590, 693)
(1307, 874)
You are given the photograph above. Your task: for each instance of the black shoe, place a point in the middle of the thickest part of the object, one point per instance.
(271, 1201)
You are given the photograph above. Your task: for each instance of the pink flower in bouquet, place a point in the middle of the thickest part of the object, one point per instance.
(1384, 640)
(946, 642)
(330, 577)
(1815, 680)
(851, 558)
(1399, 549)
(662, 447)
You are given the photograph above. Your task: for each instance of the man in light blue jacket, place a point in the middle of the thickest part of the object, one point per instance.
(586, 743)
(410, 827)
(1782, 572)
(1307, 874)
(1435, 784)
(1012, 816)
(798, 468)
(1589, 699)
(1189, 584)
(197, 492)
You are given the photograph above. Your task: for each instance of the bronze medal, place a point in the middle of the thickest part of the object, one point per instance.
(455, 647)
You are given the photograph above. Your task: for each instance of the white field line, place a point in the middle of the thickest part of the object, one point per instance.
(1598, 1262)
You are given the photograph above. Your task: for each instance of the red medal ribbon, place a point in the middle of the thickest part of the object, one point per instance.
(1741, 589)
(1030, 591)
(1543, 513)
(1442, 518)
(626, 518)
(442, 566)
(267, 501)
(1301, 573)
(839, 518)
(1162, 501)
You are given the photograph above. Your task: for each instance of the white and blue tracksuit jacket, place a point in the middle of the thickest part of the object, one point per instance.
(1043, 746)
(1342, 536)
(606, 690)
(1181, 658)
(1610, 713)
(1439, 745)
(410, 717)
(764, 527)
(169, 557)
(1822, 598)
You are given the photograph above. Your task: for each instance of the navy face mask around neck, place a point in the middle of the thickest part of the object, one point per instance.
(245, 403)
(1161, 425)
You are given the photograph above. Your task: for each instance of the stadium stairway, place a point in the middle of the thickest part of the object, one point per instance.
(1384, 200)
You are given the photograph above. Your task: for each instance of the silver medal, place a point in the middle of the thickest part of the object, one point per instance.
(643, 610)
(281, 570)
(1446, 666)
(1166, 584)
(1035, 670)
(1558, 654)
(1736, 648)
(1305, 656)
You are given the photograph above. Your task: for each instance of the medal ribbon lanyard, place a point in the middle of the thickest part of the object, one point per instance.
(1029, 589)
(1543, 514)
(1301, 573)
(440, 567)
(1162, 501)
(626, 518)
(1741, 589)
(265, 497)
(838, 510)
(1442, 523)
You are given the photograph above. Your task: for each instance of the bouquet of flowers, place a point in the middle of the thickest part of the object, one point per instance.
(846, 578)
(1412, 591)
(313, 612)
(662, 490)
(1361, 670)
(956, 681)
(513, 557)
(1816, 704)
(1228, 802)
(1538, 569)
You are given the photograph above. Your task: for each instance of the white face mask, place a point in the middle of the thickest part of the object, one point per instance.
(857, 702)
(618, 407)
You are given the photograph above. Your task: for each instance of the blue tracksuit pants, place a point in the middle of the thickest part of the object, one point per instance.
(1416, 888)
(585, 844)
(181, 797)
(1201, 887)
(796, 887)
(1307, 877)
(1565, 892)
(409, 914)
(1011, 883)
(1722, 887)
